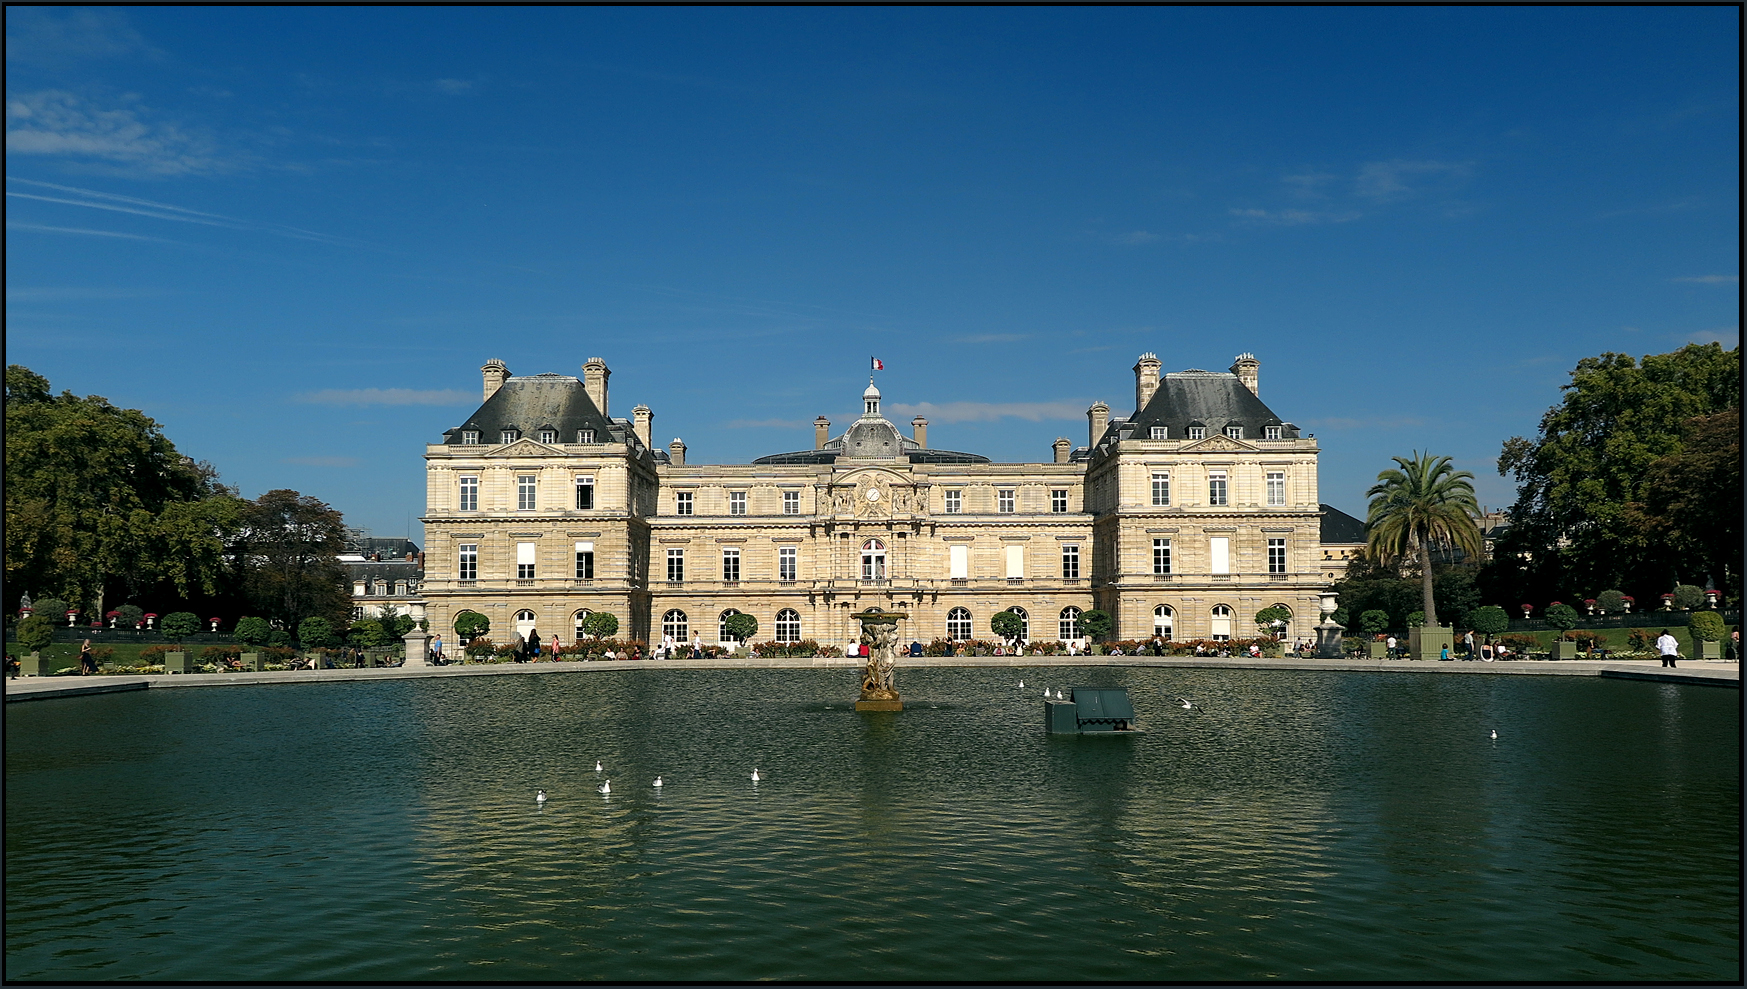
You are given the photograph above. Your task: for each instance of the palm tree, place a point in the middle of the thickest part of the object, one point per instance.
(1423, 505)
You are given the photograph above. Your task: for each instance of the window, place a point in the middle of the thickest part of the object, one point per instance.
(1221, 622)
(470, 437)
(524, 492)
(1197, 432)
(470, 494)
(730, 564)
(1277, 555)
(506, 436)
(960, 559)
(676, 565)
(469, 569)
(786, 559)
(873, 560)
(1015, 561)
(585, 492)
(682, 503)
(1004, 500)
(1070, 563)
(958, 624)
(1161, 556)
(1163, 621)
(673, 623)
(791, 503)
(580, 617)
(1235, 432)
(585, 436)
(788, 625)
(1070, 623)
(525, 560)
(524, 623)
(1161, 489)
(1219, 554)
(584, 561)
(548, 435)
(954, 502)
(1058, 500)
(1276, 488)
(1270, 432)
(1160, 432)
(736, 503)
(1024, 623)
(1216, 487)
(722, 626)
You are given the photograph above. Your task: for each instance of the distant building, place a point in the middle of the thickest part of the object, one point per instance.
(386, 582)
(1343, 538)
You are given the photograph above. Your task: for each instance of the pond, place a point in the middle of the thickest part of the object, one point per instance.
(1294, 825)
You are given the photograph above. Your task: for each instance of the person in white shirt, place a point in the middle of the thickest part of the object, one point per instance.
(1392, 647)
(1668, 647)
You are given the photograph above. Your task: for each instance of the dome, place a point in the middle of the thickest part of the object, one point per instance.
(871, 392)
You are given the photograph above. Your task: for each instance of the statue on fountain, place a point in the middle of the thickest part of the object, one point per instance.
(879, 687)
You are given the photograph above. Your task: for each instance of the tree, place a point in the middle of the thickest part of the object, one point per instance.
(394, 624)
(1706, 626)
(1611, 602)
(1489, 621)
(1267, 618)
(179, 625)
(315, 632)
(601, 624)
(1374, 621)
(1009, 626)
(368, 632)
(1562, 616)
(289, 547)
(52, 609)
(36, 633)
(1688, 596)
(470, 625)
(1603, 496)
(130, 615)
(253, 631)
(741, 626)
(1097, 624)
(1424, 505)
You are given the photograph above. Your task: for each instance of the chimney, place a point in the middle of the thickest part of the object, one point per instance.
(643, 419)
(594, 382)
(676, 452)
(1062, 449)
(821, 432)
(1146, 380)
(1246, 367)
(921, 426)
(495, 373)
(1097, 418)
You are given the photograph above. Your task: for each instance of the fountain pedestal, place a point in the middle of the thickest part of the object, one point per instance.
(879, 688)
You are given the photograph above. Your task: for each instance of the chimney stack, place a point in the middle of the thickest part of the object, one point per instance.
(642, 419)
(821, 432)
(594, 382)
(1062, 449)
(1246, 367)
(1097, 419)
(495, 372)
(1146, 380)
(676, 452)
(921, 426)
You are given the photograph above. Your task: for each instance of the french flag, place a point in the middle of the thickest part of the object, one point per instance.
(878, 365)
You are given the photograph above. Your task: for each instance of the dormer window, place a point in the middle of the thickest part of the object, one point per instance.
(1271, 432)
(1234, 432)
(470, 437)
(585, 436)
(507, 436)
(1197, 432)
(548, 435)
(1161, 432)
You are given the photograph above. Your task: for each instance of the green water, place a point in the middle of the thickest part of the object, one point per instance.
(1317, 826)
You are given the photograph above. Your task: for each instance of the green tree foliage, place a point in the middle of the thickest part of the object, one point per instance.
(1611, 602)
(1634, 479)
(741, 627)
(1489, 620)
(315, 632)
(601, 624)
(54, 610)
(1097, 624)
(1266, 618)
(368, 632)
(1424, 505)
(1688, 596)
(253, 631)
(35, 633)
(470, 625)
(179, 625)
(394, 624)
(1341, 616)
(1416, 619)
(1562, 616)
(1374, 621)
(130, 615)
(289, 550)
(98, 501)
(1008, 625)
(1706, 625)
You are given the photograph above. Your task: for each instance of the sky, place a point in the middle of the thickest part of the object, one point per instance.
(292, 235)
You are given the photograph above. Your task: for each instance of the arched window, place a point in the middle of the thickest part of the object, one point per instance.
(873, 560)
(673, 623)
(1284, 632)
(722, 626)
(1070, 623)
(1024, 623)
(524, 623)
(1221, 622)
(788, 625)
(581, 616)
(1163, 621)
(958, 624)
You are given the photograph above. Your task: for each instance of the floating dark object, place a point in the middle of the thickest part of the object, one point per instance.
(1091, 710)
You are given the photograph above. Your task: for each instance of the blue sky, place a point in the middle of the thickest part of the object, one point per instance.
(293, 235)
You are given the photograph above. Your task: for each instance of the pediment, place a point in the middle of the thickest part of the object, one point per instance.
(870, 475)
(525, 447)
(1220, 443)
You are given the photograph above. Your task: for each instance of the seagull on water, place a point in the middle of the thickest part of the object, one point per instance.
(755, 776)
(1495, 734)
(597, 765)
(1022, 685)
(606, 787)
(540, 797)
(657, 782)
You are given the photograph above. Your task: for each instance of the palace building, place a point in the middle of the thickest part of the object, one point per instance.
(1183, 519)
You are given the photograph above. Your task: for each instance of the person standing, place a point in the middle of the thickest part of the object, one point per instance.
(437, 648)
(534, 645)
(1668, 647)
(1392, 647)
(1468, 642)
(87, 662)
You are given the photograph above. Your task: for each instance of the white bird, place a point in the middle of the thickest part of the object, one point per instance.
(1495, 734)
(657, 781)
(1022, 685)
(1185, 702)
(1058, 694)
(755, 776)
(597, 765)
(1046, 691)
(606, 787)
(540, 797)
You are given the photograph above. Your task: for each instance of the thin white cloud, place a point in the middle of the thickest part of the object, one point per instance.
(992, 411)
(1728, 336)
(321, 461)
(57, 123)
(763, 424)
(46, 35)
(1710, 279)
(1396, 179)
(389, 396)
(82, 231)
(1294, 217)
(93, 199)
(1137, 237)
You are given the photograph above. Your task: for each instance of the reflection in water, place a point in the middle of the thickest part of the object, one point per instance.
(1309, 826)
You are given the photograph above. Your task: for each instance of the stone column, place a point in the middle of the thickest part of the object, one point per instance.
(1328, 634)
(418, 645)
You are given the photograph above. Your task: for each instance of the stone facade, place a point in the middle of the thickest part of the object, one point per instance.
(541, 505)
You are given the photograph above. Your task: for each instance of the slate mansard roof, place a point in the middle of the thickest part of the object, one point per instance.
(872, 438)
(1214, 399)
(531, 403)
(1339, 527)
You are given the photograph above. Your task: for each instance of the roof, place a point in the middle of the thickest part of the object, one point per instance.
(389, 571)
(530, 403)
(872, 438)
(1339, 527)
(1215, 399)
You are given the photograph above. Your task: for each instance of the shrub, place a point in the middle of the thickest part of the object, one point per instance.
(601, 624)
(1416, 619)
(1266, 618)
(1688, 596)
(53, 609)
(1641, 640)
(35, 633)
(1489, 621)
(179, 625)
(253, 631)
(131, 615)
(1519, 642)
(368, 632)
(1562, 616)
(154, 655)
(1097, 624)
(1706, 626)
(279, 639)
(470, 625)
(1010, 626)
(741, 627)
(218, 654)
(1611, 602)
(1374, 621)
(1340, 616)
(315, 632)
